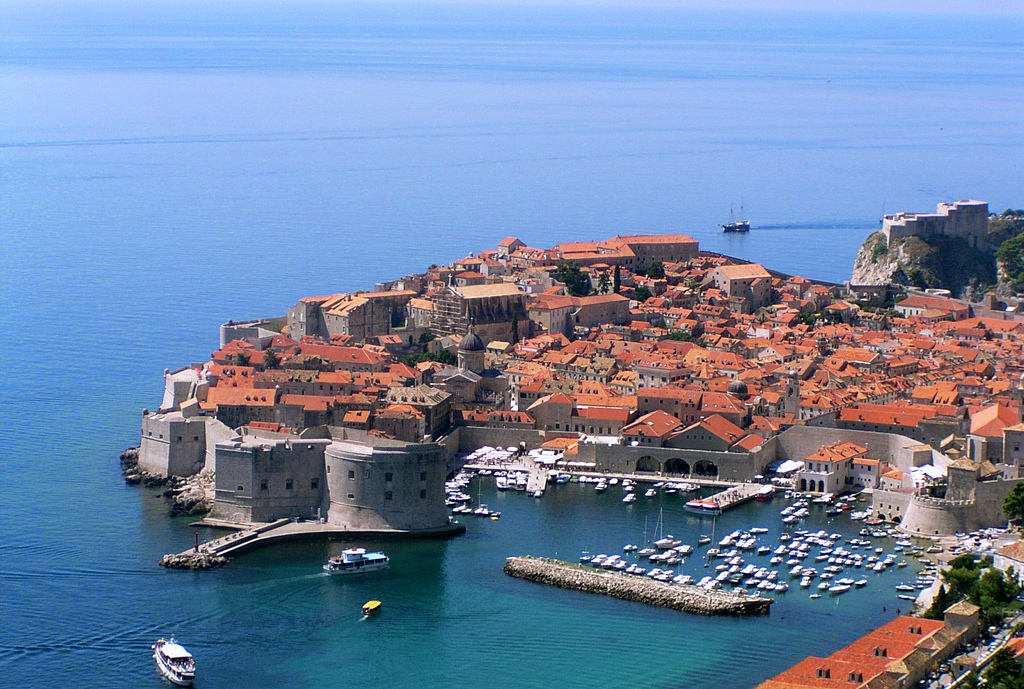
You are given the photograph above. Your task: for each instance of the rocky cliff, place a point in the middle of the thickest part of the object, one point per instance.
(924, 262)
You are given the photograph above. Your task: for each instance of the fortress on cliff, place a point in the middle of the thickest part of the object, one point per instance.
(965, 219)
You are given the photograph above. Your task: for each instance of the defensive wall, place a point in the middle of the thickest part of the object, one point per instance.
(898, 451)
(258, 332)
(626, 459)
(928, 516)
(176, 444)
(374, 485)
(387, 485)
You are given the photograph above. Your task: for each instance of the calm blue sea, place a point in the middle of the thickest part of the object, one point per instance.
(165, 166)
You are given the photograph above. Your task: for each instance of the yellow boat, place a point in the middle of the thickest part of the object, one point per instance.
(371, 607)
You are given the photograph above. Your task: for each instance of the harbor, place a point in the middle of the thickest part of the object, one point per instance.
(771, 551)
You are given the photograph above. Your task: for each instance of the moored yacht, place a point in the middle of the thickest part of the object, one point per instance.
(174, 662)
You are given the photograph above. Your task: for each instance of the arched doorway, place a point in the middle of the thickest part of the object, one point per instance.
(677, 466)
(803, 485)
(705, 467)
(648, 464)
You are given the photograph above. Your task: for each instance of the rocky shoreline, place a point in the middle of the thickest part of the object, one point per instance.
(692, 599)
(190, 496)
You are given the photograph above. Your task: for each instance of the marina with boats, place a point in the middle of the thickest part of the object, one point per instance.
(823, 546)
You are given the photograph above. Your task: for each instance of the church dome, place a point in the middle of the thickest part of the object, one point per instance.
(471, 343)
(739, 389)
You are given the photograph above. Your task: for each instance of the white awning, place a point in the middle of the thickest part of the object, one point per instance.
(789, 466)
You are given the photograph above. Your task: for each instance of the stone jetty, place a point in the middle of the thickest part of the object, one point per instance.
(687, 598)
(193, 560)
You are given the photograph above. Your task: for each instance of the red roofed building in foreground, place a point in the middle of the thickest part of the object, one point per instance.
(896, 655)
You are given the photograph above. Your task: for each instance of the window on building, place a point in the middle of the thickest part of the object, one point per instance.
(314, 483)
(351, 496)
(351, 474)
(388, 476)
(387, 495)
(263, 485)
(423, 476)
(423, 495)
(240, 488)
(288, 484)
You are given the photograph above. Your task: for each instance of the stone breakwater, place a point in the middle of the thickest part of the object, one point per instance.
(693, 599)
(200, 560)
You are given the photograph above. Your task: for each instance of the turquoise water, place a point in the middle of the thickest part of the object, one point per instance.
(168, 167)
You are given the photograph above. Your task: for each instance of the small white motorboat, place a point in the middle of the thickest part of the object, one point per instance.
(174, 662)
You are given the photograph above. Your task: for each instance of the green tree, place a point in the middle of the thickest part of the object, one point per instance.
(970, 681)
(1013, 503)
(642, 293)
(683, 336)
(939, 604)
(444, 356)
(1011, 258)
(271, 359)
(604, 283)
(241, 359)
(575, 280)
(616, 279)
(1003, 670)
(656, 271)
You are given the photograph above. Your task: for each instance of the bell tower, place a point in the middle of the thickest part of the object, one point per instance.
(791, 403)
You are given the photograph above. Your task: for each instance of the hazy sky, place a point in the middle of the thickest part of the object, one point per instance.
(926, 6)
(1009, 7)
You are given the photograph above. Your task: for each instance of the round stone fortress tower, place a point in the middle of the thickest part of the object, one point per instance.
(386, 484)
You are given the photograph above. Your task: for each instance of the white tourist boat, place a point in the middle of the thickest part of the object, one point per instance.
(174, 662)
(356, 561)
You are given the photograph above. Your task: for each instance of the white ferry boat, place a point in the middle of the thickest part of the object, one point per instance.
(356, 561)
(174, 662)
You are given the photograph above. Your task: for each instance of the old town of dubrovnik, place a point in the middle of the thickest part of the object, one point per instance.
(873, 434)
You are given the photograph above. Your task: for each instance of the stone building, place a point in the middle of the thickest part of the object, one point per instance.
(381, 484)
(434, 404)
(490, 309)
(362, 484)
(749, 282)
(967, 220)
(269, 477)
(362, 316)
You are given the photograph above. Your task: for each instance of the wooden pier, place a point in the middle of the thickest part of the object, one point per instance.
(684, 597)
